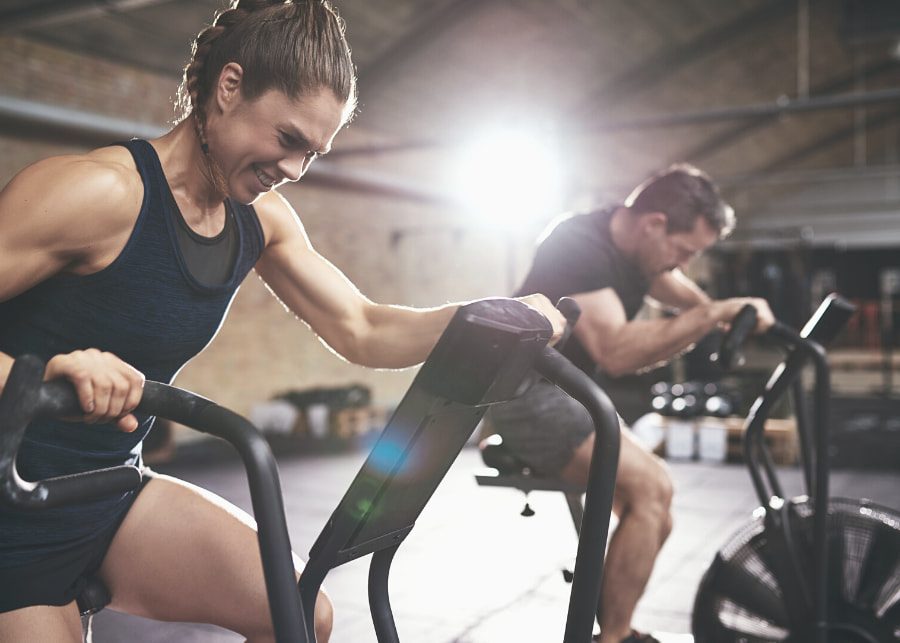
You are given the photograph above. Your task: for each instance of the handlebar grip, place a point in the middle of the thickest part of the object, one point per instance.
(58, 399)
(76, 488)
(26, 398)
(741, 326)
(571, 311)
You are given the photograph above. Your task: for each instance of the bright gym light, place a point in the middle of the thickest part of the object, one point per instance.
(509, 175)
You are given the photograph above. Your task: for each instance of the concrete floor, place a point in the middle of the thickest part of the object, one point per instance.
(473, 570)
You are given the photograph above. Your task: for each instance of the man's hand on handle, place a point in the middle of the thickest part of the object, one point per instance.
(725, 311)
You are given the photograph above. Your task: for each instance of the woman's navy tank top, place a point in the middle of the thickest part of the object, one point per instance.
(146, 308)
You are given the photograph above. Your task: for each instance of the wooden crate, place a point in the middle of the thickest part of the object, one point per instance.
(780, 436)
(346, 424)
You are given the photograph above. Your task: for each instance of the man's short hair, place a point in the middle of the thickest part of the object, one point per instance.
(683, 192)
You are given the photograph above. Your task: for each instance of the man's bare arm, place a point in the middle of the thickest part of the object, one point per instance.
(620, 346)
(675, 290)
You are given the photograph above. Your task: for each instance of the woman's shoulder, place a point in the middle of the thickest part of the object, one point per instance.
(109, 172)
(106, 175)
(278, 219)
(75, 200)
(273, 204)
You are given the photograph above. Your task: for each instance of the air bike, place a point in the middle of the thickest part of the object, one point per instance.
(811, 568)
(489, 349)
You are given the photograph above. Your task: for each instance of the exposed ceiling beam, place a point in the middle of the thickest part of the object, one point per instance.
(443, 19)
(34, 120)
(130, 60)
(21, 115)
(787, 161)
(666, 62)
(818, 175)
(324, 173)
(739, 112)
(720, 141)
(656, 67)
(53, 12)
(873, 123)
(755, 111)
(388, 148)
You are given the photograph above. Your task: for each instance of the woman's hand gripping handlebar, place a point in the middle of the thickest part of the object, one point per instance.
(26, 397)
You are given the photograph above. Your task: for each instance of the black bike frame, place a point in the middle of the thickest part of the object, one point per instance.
(26, 398)
(804, 604)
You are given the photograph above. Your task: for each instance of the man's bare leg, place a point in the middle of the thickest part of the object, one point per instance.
(642, 502)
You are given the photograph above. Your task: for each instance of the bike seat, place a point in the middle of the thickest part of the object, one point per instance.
(497, 456)
(94, 596)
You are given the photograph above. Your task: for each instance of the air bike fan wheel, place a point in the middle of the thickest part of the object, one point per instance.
(740, 600)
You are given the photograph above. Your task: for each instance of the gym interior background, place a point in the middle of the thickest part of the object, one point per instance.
(793, 106)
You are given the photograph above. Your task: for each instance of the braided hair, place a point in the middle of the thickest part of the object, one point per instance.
(295, 46)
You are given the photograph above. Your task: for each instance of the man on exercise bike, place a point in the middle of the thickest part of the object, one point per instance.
(610, 261)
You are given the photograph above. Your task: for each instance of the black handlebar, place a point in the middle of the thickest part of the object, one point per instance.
(828, 320)
(741, 326)
(594, 532)
(26, 398)
(804, 348)
(571, 311)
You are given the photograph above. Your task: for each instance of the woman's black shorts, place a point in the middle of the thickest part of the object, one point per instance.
(58, 578)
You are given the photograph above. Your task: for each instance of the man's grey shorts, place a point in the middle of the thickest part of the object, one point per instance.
(543, 427)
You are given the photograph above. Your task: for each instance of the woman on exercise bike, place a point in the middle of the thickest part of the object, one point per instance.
(121, 263)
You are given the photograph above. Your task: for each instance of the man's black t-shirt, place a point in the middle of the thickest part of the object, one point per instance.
(579, 256)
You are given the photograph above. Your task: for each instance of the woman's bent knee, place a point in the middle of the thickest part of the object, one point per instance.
(324, 618)
(323, 623)
(41, 623)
